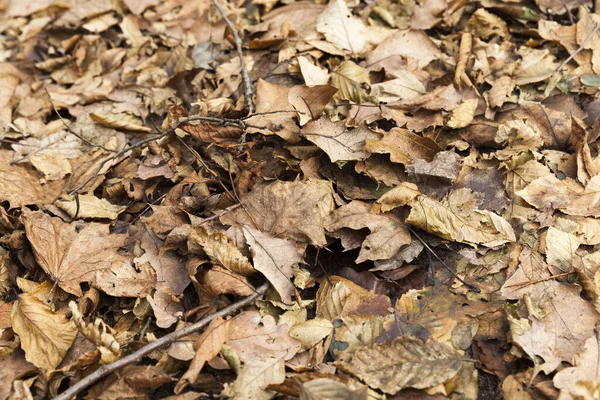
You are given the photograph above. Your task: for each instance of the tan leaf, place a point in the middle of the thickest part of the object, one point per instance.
(350, 80)
(462, 115)
(254, 337)
(565, 195)
(45, 335)
(313, 75)
(559, 320)
(405, 86)
(585, 368)
(170, 270)
(166, 306)
(325, 388)
(388, 232)
(339, 142)
(311, 101)
(403, 146)
(341, 28)
(402, 363)
(89, 254)
(339, 297)
(311, 332)
(356, 332)
(100, 334)
(399, 196)
(560, 249)
(207, 346)
(9, 79)
(122, 121)
(20, 184)
(450, 221)
(221, 280)
(254, 376)
(274, 258)
(288, 210)
(410, 44)
(220, 249)
(90, 206)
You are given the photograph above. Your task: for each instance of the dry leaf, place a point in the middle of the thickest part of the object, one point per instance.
(274, 258)
(388, 232)
(403, 146)
(287, 210)
(339, 142)
(45, 335)
(88, 254)
(341, 28)
(405, 362)
(120, 121)
(352, 82)
(90, 206)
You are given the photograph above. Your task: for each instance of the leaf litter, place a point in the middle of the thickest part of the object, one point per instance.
(281, 199)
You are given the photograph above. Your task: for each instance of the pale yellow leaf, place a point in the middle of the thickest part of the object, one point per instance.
(90, 206)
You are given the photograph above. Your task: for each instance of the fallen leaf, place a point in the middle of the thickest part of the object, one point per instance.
(274, 258)
(90, 206)
(88, 254)
(287, 210)
(388, 232)
(45, 335)
(339, 142)
(405, 362)
(403, 146)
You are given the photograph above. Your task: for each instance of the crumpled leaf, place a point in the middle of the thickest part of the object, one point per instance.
(405, 362)
(274, 258)
(71, 256)
(458, 219)
(100, 334)
(403, 146)
(339, 142)
(122, 121)
(45, 335)
(220, 249)
(288, 210)
(352, 82)
(585, 369)
(388, 232)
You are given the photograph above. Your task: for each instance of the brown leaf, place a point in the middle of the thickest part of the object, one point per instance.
(288, 210)
(90, 206)
(274, 258)
(458, 219)
(20, 185)
(45, 335)
(311, 101)
(403, 146)
(221, 280)
(88, 254)
(207, 346)
(388, 232)
(405, 362)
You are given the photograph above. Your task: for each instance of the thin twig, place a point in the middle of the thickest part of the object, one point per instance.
(71, 131)
(136, 356)
(467, 284)
(248, 92)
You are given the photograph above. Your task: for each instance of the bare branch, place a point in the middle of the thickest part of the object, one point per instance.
(136, 356)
